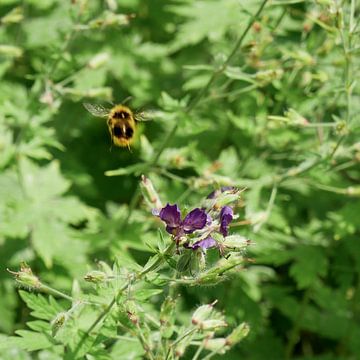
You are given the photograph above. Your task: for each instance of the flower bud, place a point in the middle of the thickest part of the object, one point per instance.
(10, 51)
(200, 260)
(25, 277)
(353, 191)
(239, 333)
(111, 19)
(180, 349)
(217, 345)
(131, 311)
(166, 317)
(13, 17)
(341, 127)
(95, 277)
(295, 118)
(202, 313)
(98, 60)
(58, 322)
(212, 324)
(265, 77)
(236, 242)
(151, 196)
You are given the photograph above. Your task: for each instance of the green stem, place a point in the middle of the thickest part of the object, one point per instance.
(50, 290)
(108, 308)
(198, 352)
(182, 337)
(144, 343)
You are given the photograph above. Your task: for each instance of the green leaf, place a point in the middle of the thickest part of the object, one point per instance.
(42, 183)
(31, 341)
(310, 263)
(145, 294)
(42, 307)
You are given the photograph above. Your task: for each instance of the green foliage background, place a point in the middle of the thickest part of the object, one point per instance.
(281, 121)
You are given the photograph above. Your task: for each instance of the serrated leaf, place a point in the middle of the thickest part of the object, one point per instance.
(310, 263)
(42, 307)
(42, 183)
(31, 341)
(144, 294)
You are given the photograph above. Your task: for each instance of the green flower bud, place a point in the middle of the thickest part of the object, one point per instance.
(98, 60)
(25, 277)
(236, 242)
(58, 322)
(239, 333)
(217, 345)
(267, 76)
(353, 191)
(132, 312)
(295, 118)
(95, 277)
(167, 318)
(212, 324)
(202, 313)
(10, 51)
(111, 19)
(13, 17)
(341, 127)
(151, 196)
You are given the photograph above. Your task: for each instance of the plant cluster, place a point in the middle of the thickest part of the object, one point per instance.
(231, 227)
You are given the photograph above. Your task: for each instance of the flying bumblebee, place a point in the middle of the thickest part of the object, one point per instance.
(121, 121)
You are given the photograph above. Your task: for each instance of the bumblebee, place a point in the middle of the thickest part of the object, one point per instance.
(121, 122)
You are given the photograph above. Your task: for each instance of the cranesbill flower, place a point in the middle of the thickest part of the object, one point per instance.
(195, 220)
(226, 216)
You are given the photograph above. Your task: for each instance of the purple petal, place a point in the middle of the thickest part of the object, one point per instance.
(171, 215)
(226, 216)
(155, 212)
(207, 243)
(194, 220)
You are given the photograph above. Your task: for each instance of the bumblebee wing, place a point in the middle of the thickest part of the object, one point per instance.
(96, 109)
(144, 115)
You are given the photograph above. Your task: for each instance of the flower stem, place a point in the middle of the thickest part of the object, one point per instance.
(108, 308)
(52, 291)
(182, 337)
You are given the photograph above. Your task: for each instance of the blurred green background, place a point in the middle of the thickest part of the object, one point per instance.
(281, 121)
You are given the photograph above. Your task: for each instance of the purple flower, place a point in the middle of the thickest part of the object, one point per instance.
(226, 216)
(194, 220)
(204, 244)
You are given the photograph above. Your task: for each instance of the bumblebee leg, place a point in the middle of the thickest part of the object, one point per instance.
(111, 135)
